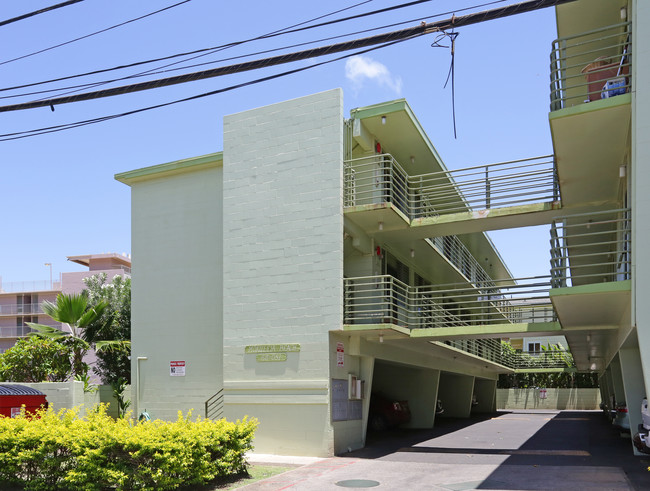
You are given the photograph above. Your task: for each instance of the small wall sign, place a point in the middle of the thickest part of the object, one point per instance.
(272, 348)
(177, 368)
(271, 357)
(340, 354)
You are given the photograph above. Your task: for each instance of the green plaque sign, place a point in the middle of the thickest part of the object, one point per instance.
(271, 357)
(272, 348)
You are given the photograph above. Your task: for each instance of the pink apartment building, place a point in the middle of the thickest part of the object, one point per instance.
(20, 302)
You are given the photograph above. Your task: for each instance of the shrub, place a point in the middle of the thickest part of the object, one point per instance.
(59, 450)
(34, 359)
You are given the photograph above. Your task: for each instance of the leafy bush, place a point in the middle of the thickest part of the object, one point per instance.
(35, 359)
(59, 450)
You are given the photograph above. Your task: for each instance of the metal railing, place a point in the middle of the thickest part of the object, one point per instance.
(591, 248)
(381, 179)
(28, 286)
(214, 406)
(488, 349)
(386, 300)
(451, 247)
(538, 359)
(26, 308)
(591, 66)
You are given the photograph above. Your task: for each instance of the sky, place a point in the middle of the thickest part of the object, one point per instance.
(58, 193)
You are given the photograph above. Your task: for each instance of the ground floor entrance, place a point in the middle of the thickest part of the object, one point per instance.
(516, 450)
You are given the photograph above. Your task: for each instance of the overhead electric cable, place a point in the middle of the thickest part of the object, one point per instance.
(37, 12)
(453, 22)
(211, 49)
(53, 129)
(93, 33)
(160, 69)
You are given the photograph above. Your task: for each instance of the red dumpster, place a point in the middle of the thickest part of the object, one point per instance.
(12, 397)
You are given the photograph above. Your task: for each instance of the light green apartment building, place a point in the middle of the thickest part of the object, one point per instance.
(322, 257)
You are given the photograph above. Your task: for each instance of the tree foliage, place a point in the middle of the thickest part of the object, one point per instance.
(35, 359)
(76, 315)
(113, 360)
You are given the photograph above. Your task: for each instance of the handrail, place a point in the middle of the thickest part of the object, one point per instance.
(591, 248)
(214, 406)
(592, 65)
(386, 300)
(381, 179)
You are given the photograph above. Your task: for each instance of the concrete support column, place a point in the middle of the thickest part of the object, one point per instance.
(617, 379)
(485, 392)
(366, 369)
(633, 382)
(456, 394)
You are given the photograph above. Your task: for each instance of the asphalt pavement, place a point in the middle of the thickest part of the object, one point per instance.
(508, 450)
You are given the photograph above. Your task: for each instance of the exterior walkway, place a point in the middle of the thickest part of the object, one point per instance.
(510, 450)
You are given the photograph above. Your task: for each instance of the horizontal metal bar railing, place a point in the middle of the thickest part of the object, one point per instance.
(384, 299)
(28, 286)
(591, 248)
(591, 66)
(538, 359)
(27, 308)
(452, 248)
(381, 179)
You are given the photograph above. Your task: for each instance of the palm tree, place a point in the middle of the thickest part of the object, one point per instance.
(73, 312)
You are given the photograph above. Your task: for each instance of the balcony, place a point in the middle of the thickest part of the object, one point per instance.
(591, 66)
(381, 197)
(590, 113)
(449, 311)
(591, 280)
(21, 309)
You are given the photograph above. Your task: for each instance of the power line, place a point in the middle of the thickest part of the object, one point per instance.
(37, 12)
(92, 33)
(453, 22)
(289, 30)
(57, 128)
(231, 58)
(159, 69)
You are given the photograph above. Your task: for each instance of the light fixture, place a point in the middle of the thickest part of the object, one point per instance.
(381, 225)
(589, 338)
(412, 160)
(383, 120)
(623, 13)
(381, 338)
(412, 252)
(622, 171)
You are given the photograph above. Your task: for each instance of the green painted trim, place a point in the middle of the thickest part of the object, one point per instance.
(461, 331)
(610, 287)
(375, 328)
(178, 166)
(619, 100)
(493, 213)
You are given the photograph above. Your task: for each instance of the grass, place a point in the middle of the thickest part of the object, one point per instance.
(256, 472)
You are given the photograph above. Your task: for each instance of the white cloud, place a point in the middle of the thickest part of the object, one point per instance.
(359, 68)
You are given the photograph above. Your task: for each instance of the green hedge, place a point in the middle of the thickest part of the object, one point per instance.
(59, 450)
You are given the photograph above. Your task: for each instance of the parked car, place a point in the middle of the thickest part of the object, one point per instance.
(621, 419)
(642, 439)
(386, 412)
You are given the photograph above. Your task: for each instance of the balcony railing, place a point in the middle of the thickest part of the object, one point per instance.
(457, 253)
(18, 331)
(28, 286)
(386, 300)
(591, 66)
(26, 308)
(591, 248)
(381, 179)
(538, 360)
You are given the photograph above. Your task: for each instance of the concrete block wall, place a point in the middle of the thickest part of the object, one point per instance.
(176, 290)
(283, 262)
(555, 399)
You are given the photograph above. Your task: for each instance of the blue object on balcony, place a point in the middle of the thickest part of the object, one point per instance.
(614, 87)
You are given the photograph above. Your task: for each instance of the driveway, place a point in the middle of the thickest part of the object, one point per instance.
(509, 450)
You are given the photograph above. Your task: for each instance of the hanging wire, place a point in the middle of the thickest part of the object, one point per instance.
(436, 44)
